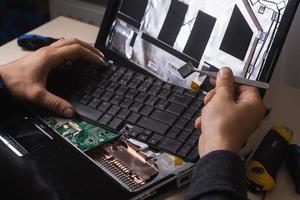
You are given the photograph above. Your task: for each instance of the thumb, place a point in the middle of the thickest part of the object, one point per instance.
(225, 83)
(55, 104)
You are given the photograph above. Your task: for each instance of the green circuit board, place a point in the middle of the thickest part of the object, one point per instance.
(82, 134)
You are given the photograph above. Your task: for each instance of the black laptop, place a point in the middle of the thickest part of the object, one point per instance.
(141, 97)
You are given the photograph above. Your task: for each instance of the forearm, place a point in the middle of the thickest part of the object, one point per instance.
(218, 175)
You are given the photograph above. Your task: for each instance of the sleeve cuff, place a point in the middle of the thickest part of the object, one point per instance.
(219, 172)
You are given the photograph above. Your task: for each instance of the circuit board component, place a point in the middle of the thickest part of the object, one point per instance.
(82, 134)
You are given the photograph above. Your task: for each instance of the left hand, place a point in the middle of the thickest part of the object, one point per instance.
(26, 78)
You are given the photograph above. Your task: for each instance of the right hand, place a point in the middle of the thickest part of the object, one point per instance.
(229, 116)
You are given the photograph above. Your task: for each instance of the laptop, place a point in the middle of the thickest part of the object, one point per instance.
(135, 132)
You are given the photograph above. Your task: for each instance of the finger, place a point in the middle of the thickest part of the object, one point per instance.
(198, 123)
(247, 93)
(71, 41)
(72, 52)
(53, 103)
(225, 83)
(209, 96)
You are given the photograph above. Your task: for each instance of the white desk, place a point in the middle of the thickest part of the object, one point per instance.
(284, 100)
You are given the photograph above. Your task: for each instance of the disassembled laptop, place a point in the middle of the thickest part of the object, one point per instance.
(205, 33)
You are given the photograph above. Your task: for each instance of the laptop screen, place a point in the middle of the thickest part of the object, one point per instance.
(161, 36)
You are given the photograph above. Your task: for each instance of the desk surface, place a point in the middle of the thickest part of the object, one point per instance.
(283, 99)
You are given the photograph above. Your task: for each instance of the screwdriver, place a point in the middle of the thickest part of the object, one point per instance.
(186, 70)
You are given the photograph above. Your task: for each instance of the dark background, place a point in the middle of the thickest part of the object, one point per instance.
(20, 16)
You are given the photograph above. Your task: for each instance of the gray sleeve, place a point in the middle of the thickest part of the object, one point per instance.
(219, 175)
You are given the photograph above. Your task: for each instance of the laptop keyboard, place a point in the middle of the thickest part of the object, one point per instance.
(162, 114)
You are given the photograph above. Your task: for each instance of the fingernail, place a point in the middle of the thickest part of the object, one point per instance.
(225, 72)
(69, 112)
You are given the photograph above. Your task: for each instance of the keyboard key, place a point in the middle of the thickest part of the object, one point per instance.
(104, 106)
(151, 101)
(181, 123)
(163, 117)
(154, 90)
(107, 96)
(147, 132)
(164, 94)
(144, 87)
(114, 110)
(146, 110)
(193, 140)
(197, 132)
(126, 103)
(190, 93)
(190, 126)
(173, 132)
(143, 137)
(175, 109)
(102, 84)
(197, 104)
(121, 90)
(153, 125)
(141, 97)
(134, 84)
(105, 119)
(115, 77)
(133, 118)
(161, 104)
(113, 68)
(116, 99)
(98, 92)
(155, 139)
(115, 124)
(123, 114)
(182, 137)
(158, 83)
(112, 87)
(85, 99)
(87, 112)
(190, 113)
(167, 86)
(121, 70)
(133, 134)
(135, 131)
(129, 73)
(131, 94)
(193, 155)
(150, 80)
(180, 99)
(95, 103)
(136, 107)
(140, 77)
(169, 144)
(124, 80)
(184, 150)
(178, 89)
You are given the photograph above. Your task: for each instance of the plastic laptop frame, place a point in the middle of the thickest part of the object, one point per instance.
(264, 75)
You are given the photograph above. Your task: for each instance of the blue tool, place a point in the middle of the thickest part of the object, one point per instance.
(33, 42)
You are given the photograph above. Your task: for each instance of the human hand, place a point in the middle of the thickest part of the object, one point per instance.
(229, 116)
(26, 78)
